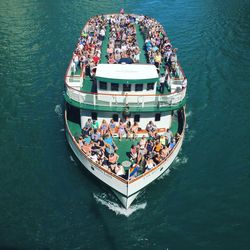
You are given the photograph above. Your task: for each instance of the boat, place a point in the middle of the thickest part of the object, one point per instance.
(125, 96)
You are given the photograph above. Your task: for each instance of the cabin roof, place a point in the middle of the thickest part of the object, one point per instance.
(127, 73)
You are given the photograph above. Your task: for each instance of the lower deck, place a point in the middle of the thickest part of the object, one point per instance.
(124, 145)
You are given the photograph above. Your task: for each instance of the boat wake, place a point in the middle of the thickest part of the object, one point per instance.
(117, 208)
(164, 174)
(59, 112)
(181, 160)
(189, 113)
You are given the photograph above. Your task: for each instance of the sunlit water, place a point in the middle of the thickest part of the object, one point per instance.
(47, 201)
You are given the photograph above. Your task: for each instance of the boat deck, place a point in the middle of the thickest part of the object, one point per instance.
(124, 145)
(88, 84)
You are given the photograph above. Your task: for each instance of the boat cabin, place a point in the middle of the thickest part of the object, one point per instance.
(129, 80)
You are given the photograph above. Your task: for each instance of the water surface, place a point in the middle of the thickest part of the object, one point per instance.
(47, 201)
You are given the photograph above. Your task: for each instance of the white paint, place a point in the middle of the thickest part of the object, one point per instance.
(127, 71)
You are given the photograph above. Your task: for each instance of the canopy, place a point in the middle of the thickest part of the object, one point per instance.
(127, 73)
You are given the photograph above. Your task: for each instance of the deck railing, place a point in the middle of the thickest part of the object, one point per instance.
(111, 100)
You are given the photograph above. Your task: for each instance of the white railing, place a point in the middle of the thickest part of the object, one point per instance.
(139, 101)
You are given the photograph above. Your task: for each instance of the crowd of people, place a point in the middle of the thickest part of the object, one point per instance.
(157, 44)
(122, 46)
(97, 142)
(88, 49)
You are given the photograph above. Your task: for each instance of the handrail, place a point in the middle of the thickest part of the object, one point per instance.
(113, 94)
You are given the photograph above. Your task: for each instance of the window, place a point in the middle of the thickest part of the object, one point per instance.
(126, 87)
(150, 86)
(157, 117)
(115, 117)
(138, 87)
(114, 87)
(137, 118)
(103, 85)
(94, 116)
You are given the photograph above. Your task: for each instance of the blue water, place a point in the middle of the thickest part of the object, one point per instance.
(47, 201)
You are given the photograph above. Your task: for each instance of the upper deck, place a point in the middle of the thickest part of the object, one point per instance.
(113, 40)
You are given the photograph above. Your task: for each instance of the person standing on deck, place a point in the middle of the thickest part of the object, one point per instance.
(162, 83)
(158, 60)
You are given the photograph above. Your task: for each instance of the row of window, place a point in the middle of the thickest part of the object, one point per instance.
(125, 87)
(136, 117)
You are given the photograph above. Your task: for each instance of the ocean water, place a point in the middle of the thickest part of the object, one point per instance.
(47, 201)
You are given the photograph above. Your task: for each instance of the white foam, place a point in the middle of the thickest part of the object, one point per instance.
(181, 160)
(164, 174)
(71, 158)
(189, 113)
(58, 110)
(189, 135)
(117, 208)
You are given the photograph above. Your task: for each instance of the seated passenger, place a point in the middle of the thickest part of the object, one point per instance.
(85, 131)
(172, 144)
(151, 129)
(101, 144)
(101, 156)
(104, 127)
(88, 124)
(109, 143)
(121, 130)
(163, 140)
(164, 152)
(119, 170)
(133, 153)
(169, 135)
(86, 148)
(111, 127)
(142, 149)
(149, 164)
(87, 139)
(112, 160)
(128, 130)
(158, 158)
(158, 146)
(95, 124)
(134, 130)
(80, 141)
(94, 157)
(96, 59)
(150, 146)
(96, 135)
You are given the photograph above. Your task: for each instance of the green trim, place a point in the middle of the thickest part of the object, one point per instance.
(121, 81)
(116, 108)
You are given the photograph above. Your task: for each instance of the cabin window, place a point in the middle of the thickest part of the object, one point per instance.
(115, 117)
(138, 87)
(94, 116)
(126, 87)
(157, 117)
(114, 87)
(103, 85)
(150, 86)
(137, 118)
